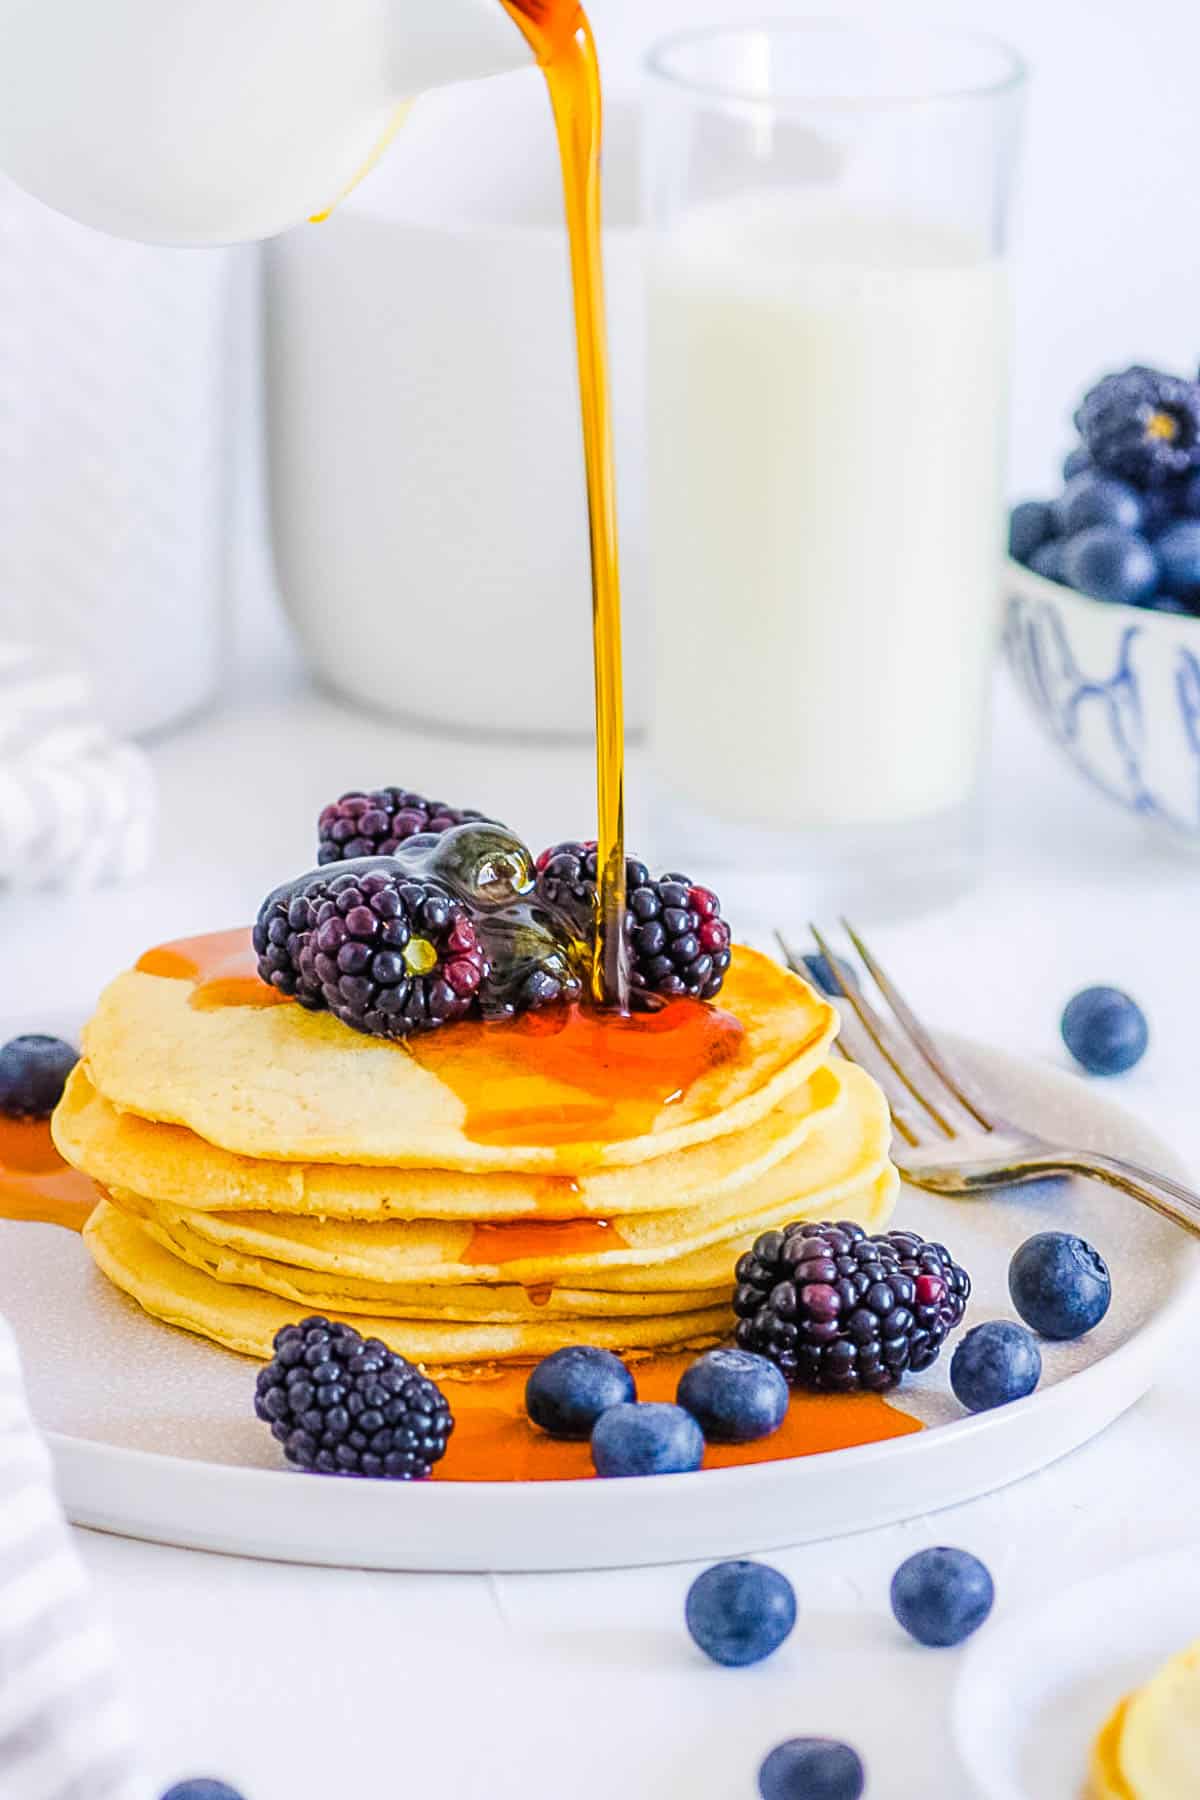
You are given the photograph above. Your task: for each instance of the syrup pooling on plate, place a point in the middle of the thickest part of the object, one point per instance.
(494, 1440)
(35, 1183)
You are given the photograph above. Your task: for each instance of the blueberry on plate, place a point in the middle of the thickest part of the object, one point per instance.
(201, 1788)
(33, 1073)
(734, 1396)
(995, 1363)
(1031, 523)
(1110, 563)
(1047, 560)
(1105, 1031)
(740, 1612)
(1060, 1286)
(1178, 547)
(941, 1596)
(1095, 499)
(812, 1769)
(654, 1439)
(569, 1390)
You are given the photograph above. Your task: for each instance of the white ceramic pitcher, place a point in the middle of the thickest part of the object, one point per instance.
(211, 121)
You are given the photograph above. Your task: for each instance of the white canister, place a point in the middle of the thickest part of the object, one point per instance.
(426, 467)
(114, 459)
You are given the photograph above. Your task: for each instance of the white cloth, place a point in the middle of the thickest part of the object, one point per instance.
(76, 804)
(65, 1733)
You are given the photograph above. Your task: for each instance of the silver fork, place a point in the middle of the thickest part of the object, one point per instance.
(949, 1136)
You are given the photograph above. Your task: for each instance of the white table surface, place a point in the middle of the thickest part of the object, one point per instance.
(293, 1682)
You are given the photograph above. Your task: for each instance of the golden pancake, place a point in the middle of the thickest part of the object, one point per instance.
(840, 1173)
(171, 1164)
(682, 1284)
(246, 1321)
(283, 1084)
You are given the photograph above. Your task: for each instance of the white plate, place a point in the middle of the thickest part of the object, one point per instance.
(1036, 1688)
(154, 1436)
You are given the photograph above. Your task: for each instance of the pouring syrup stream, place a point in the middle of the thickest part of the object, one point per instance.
(561, 38)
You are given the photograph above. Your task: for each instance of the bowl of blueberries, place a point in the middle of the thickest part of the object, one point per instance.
(1102, 627)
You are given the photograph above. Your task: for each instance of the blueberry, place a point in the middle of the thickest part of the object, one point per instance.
(1060, 1286)
(812, 1769)
(655, 1439)
(33, 1073)
(1110, 564)
(734, 1396)
(941, 1596)
(740, 1612)
(569, 1390)
(1047, 561)
(822, 977)
(1178, 547)
(993, 1364)
(1188, 500)
(1094, 499)
(201, 1788)
(1031, 523)
(1075, 462)
(1105, 1030)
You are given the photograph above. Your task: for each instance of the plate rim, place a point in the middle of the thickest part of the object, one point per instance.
(1128, 1363)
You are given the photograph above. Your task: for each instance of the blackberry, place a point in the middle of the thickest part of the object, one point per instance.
(1143, 425)
(838, 1310)
(678, 941)
(385, 952)
(342, 1404)
(361, 824)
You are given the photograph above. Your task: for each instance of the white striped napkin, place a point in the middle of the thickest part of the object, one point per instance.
(76, 803)
(64, 1730)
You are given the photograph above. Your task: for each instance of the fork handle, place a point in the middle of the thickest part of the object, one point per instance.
(1169, 1198)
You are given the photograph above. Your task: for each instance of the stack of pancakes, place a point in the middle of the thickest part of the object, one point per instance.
(261, 1162)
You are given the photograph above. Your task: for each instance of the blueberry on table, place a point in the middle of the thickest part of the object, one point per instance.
(33, 1073)
(569, 1390)
(1031, 523)
(1095, 499)
(995, 1363)
(1112, 564)
(812, 1769)
(654, 1439)
(1059, 1284)
(734, 1396)
(740, 1612)
(1178, 547)
(202, 1788)
(1105, 1031)
(1047, 560)
(941, 1596)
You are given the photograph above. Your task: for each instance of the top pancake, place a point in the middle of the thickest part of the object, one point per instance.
(279, 1083)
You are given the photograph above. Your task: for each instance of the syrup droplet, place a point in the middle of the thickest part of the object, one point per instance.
(521, 1241)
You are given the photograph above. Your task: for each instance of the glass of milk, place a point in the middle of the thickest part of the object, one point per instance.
(827, 384)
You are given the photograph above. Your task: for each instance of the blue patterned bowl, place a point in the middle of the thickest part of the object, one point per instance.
(1118, 689)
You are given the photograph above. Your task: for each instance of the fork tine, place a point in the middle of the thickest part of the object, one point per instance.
(878, 1035)
(856, 1047)
(958, 1086)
